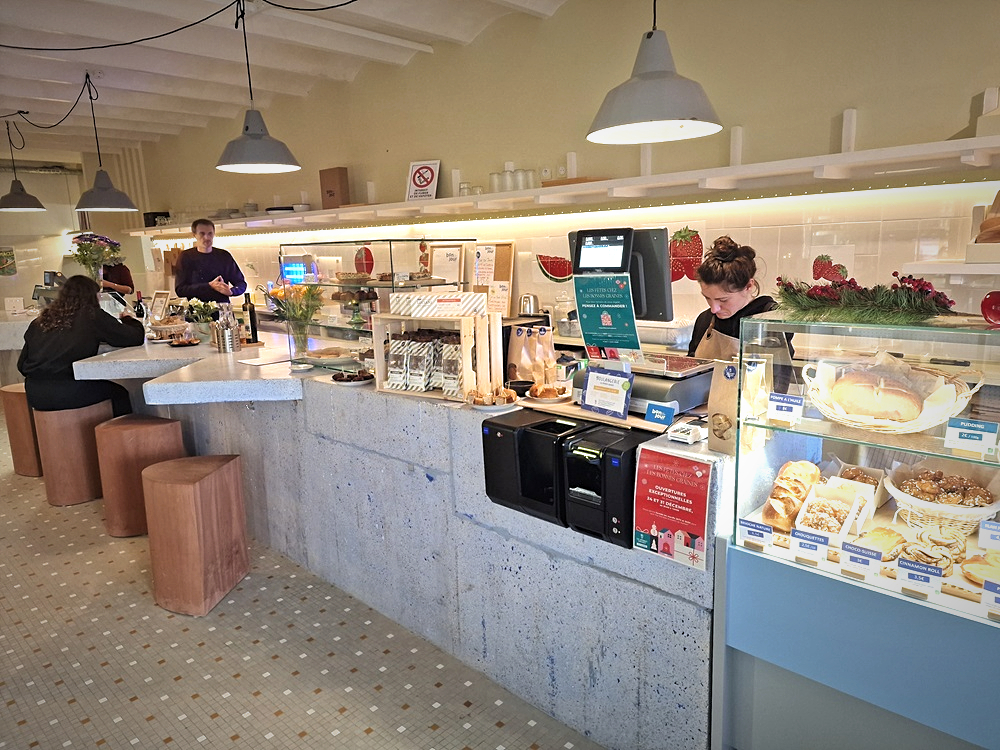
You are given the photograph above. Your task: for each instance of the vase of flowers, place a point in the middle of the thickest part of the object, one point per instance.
(201, 315)
(296, 304)
(94, 251)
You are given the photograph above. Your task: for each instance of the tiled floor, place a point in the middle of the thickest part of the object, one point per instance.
(285, 661)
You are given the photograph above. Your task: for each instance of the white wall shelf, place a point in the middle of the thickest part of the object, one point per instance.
(799, 174)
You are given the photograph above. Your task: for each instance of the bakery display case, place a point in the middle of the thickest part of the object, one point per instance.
(329, 292)
(876, 465)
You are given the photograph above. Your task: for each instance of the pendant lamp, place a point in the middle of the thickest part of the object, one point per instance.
(104, 196)
(18, 199)
(254, 151)
(655, 104)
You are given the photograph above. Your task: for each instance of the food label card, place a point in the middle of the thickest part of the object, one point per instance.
(971, 436)
(809, 547)
(991, 600)
(917, 578)
(784, 408)
(989, 535)
(755, 535)
(859, 562)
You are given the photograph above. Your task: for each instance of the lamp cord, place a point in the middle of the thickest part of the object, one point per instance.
(92, 94)
(10, 142)
(654, 15)
(241, 20)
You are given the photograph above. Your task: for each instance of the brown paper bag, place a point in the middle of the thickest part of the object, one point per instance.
(722, 398)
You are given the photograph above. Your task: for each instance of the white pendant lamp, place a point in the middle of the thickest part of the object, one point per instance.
(104, 196)
(18, 199)
(254, 151)
(655, 104)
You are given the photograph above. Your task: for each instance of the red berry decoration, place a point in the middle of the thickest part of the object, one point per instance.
(687, 249)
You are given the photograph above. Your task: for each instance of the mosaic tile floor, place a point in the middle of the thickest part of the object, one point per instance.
(284, 661)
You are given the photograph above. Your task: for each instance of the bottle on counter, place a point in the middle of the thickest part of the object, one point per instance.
(250, 317)
(138, 306)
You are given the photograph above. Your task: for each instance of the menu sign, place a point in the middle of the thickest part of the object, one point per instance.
(607, 319)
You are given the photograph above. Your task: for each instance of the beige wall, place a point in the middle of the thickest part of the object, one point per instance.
(527, 89)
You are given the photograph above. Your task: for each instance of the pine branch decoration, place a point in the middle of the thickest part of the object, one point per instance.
(911, 300)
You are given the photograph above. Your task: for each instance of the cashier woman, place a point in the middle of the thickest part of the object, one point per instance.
(726, 277)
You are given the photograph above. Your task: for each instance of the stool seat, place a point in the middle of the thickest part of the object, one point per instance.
(197, 531)
(21, 431)
(68, 450)
(125, 446)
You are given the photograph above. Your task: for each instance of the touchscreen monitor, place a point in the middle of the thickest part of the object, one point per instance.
(602, 251)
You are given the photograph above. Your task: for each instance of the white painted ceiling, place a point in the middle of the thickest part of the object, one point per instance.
(156, 87)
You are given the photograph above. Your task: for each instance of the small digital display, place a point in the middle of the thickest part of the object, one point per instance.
(602, 251)
(294, 272)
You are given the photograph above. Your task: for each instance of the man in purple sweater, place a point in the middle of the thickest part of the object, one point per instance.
(205, 272)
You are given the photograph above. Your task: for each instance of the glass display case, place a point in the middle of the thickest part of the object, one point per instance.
(868, 454)
(328, 292)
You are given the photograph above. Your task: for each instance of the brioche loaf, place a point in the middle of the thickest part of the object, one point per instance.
(869, 395)
(982, 567)
(791, 486)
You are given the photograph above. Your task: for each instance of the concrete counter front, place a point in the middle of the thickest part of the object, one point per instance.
(383, 495)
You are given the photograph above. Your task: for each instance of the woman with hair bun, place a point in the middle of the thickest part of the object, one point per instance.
(726, 277)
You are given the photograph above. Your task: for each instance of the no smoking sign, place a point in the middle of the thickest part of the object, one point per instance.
(423, 180)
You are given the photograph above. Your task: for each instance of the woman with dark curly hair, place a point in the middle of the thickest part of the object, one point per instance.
(69, 329)
(726, 277)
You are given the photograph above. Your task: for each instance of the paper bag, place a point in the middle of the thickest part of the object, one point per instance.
(722, 399)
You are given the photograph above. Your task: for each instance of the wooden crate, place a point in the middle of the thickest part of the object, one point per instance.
(474, 333)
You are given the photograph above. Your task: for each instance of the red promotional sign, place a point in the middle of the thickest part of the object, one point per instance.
(671, 506)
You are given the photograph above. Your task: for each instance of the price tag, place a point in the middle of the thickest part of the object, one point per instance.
(972, 436)
(808, 547)
(989, 535)
(990, 602)
(784, 408)
(755, 535)
(859, 562)
(918, 579)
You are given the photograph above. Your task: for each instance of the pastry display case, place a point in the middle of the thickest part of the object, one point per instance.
(874, 462)
(328, 293)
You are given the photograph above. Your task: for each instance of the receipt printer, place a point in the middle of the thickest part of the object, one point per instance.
(600, 481)
(523, 461)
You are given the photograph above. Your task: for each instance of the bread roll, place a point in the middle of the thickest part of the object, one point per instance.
(982, 567)
(869, 395)
(791, 486)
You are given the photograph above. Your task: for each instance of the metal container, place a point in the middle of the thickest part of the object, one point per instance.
(226, 339)
(528, 304)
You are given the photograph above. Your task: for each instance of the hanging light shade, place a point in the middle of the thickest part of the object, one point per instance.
(655, 104)
(18, 199)
(104, 196)
(256, 152)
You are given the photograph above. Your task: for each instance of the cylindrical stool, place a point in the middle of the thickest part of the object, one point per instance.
(68, 449)
(21, 431)
(197, 531)
(125, 446)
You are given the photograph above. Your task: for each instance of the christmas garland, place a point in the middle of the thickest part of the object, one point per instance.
(911, 300)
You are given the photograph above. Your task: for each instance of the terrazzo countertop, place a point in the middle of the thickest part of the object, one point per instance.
(201, 374)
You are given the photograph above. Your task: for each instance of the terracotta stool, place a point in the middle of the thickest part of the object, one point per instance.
(68, 449)
(125, 446)
(21, 431)
(197, 531)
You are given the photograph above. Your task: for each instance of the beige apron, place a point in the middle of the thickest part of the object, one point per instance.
(715, 345)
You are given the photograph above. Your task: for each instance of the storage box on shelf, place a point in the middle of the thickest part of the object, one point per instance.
(355, 279)
(953, 482)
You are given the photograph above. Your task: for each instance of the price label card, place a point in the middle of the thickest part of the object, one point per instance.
(809, 547)
(989, 535)
(784, 408)
(918, 578)
(972, 436)
(859, 562)
(754, 535)
(607, 392)
(990, 602)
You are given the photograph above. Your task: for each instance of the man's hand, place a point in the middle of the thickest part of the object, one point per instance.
(221, 286)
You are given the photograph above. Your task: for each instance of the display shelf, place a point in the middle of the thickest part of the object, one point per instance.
(830, 433)
(803, 174)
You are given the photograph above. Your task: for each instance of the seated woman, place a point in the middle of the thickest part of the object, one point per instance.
(70, 329)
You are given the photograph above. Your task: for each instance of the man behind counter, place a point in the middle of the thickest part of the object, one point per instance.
(208, 273)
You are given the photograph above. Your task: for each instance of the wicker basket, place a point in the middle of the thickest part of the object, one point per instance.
(919, 514)
(167, 331)
(822, 400)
